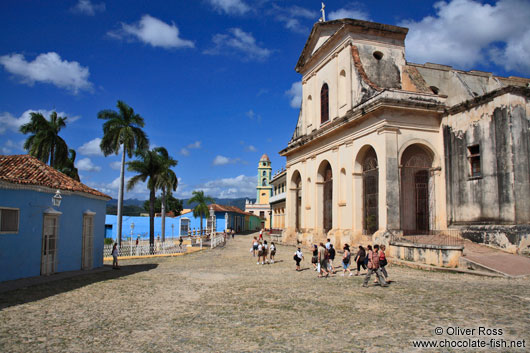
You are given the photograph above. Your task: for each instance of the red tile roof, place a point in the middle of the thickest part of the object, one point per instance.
(221, 208)
(27, 170)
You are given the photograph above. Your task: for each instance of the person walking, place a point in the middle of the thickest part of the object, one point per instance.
(115, 256)
(265, 252)
(322, 260)
(233, 232)
(260, 252)
(373, 267)
(273, 252)
(359, 259)
(383, 262)
(298, 256)
(346, 260)
(331, 257)
(314, 258)
(260, 235)
(254, 246)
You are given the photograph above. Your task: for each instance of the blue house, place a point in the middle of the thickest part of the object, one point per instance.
(226, 217)
(49, 222)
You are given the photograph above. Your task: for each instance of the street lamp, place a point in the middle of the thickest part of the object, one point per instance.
(212, 215)
(132, 229)
(57, 198)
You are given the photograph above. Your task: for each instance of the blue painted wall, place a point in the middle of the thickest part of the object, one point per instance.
(141, 224)
(20, 253)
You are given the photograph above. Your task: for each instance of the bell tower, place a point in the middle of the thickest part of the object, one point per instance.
(264, 189)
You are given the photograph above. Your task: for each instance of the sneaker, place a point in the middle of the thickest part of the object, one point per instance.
(351, 274)
(342, 274)
(257, 263)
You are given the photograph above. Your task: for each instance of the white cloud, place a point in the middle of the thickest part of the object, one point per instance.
(115, 165)
(9, 146)
(86, 7)
(239, 41)
(48, 68)
(464, 33)
(222, 160)
(251, 148)
(291, 17)
(253, 116)
(185, 151)
(295, 94)
(240, 186)
(350, 11)
(140, 191)
(91, 148)
(152, 31)
(10, 122)
(86, 165)
(232, 7)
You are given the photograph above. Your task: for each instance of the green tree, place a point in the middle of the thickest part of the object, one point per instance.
(44, 142)
(201, 210)
(148, 166)
(122, 132)
(68, 166)
(166, 181)
(172, 205)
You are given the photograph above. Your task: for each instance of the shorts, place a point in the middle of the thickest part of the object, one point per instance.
(345, 265)
(323, 264)
(273, 252)
(254, 247)
(260, 253)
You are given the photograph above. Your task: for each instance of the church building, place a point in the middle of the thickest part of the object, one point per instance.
(384, 146)
(261, 207)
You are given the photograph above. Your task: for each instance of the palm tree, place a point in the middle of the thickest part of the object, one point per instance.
(68, 167)
(167, 182)
(201, 210)
(45, 142)
(122, 132)
(149, 166)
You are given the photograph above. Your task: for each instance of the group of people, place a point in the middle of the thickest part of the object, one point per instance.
(262, 249)
(323, 255)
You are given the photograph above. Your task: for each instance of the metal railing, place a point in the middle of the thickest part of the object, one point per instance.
(144, 248)
(444, 237)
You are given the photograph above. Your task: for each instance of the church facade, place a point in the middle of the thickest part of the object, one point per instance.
(382, 144)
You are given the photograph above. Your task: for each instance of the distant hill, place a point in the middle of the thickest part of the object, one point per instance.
(133, 207)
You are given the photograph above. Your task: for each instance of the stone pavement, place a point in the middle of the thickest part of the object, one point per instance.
(497, 260)
(220, 301)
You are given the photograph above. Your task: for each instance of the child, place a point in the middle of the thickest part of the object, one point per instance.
(265, 252)
(260, 252)
(115, 256)
(273, 252)
(298, 256)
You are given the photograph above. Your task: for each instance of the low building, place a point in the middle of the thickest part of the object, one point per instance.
(277, 200)
(38, 237)
(226, 217)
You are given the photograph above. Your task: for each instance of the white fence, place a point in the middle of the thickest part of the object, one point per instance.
(218, 240)
(144, 248)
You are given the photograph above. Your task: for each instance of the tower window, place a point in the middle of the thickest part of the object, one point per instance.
(264, 182)
(474, 161)
(378, 55)
(264, 173)
(324, 103)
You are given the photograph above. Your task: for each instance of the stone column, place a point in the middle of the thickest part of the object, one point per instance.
(389, 188)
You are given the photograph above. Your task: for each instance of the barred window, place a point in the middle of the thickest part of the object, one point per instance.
(324, 103)
(9, 219)
(474, 161)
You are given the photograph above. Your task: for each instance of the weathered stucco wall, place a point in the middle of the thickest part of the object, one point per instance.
(501, 194)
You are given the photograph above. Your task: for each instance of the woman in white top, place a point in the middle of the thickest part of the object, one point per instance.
(273, 252)
(298, 256)
(260, 252)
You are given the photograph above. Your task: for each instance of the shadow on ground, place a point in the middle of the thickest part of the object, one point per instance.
(34, 292)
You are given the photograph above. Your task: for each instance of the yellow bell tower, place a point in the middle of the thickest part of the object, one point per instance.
(264, 189)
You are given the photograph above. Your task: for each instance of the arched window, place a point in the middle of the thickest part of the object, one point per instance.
(263, 173)
(324, 103)
(264, 182)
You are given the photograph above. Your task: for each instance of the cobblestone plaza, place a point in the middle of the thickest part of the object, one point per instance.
(220, 300)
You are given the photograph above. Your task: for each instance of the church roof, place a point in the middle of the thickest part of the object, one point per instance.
(27, 170)
(265, 158)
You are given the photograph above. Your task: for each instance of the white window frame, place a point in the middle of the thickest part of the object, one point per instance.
(18, 220)
(180, 226)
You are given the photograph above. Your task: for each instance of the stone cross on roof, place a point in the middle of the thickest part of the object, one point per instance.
(323, 10)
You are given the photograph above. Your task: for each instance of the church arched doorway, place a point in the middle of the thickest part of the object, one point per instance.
(370, 192)
(417, 190)
(326, 177)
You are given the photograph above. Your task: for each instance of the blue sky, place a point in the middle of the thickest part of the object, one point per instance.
(213, 79)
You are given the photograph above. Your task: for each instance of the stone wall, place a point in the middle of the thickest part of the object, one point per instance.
(436, 255)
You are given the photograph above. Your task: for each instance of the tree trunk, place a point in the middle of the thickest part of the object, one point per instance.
(163, 214)
(52, 161)
(152, 218)
(201, 223)
(120, 197)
